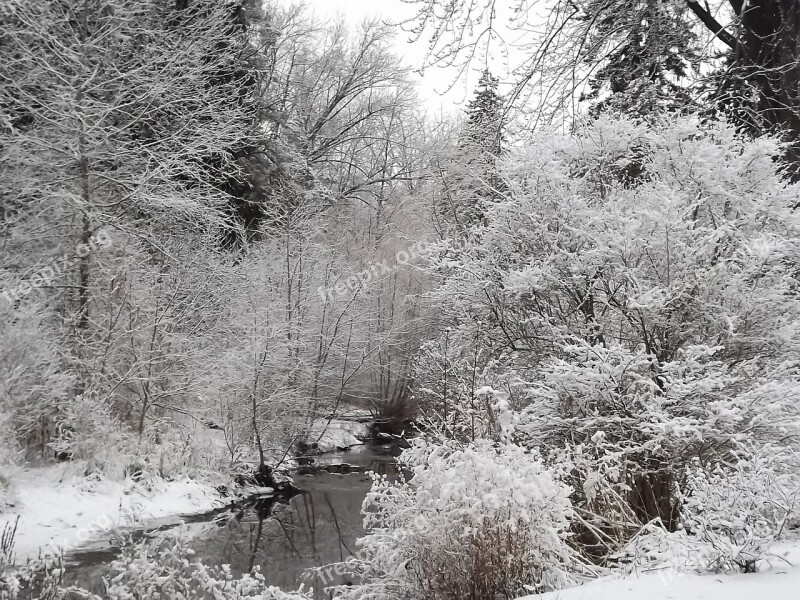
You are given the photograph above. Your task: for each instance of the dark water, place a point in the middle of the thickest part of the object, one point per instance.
(313, 529)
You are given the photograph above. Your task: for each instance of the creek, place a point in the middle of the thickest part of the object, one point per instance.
(283, 537)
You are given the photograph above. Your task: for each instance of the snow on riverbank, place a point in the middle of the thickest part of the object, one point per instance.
(336, 434)
(59, 511)
(779, 579)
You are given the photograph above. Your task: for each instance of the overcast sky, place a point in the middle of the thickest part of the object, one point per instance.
(434, 82)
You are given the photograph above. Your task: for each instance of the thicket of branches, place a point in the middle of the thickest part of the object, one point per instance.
(189, 191)
(220, 223)
(622, 299)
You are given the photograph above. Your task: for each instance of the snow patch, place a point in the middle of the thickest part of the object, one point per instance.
(61, 514)
(339, 434)
(777, 579)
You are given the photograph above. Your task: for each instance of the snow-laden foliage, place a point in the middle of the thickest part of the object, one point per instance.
(9, 584)
(167, 570)
(740, 511)
(733, 515)
(448, 385)
(31, 383)
(7, 495)
(634, 296)
(161, 569)
(478, 521)
(86, 429)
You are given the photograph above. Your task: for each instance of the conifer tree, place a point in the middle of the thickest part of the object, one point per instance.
(483, 132)
(471, 178)
(653, 52)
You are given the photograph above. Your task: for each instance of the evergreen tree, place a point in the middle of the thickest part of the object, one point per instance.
(653, 49)
(471, 178)
(483, 132)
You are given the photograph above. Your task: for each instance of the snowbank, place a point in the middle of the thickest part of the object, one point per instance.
(777, 580)
(59, 513)
(339, 434)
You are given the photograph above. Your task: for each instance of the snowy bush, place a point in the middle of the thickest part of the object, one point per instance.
(26, 584)
(167, 570)
(478, 521)
(9, 584)
(738, 512)
(9, 454)
(7, 495)
(32, 381)
(732, 516)
(461, 395)
(86, 429)
(153, 569)
(633, 323)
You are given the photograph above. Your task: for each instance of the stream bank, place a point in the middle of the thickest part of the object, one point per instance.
(284, 536)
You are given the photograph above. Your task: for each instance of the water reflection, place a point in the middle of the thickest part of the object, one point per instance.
(316, 528)
(285, 539)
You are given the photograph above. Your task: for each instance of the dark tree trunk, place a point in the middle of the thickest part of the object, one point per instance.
(771, 41)
(766, 52)
(652, 497)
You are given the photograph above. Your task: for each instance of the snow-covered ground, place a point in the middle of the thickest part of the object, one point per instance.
(59, 511)
(338, 434)
(779, 579)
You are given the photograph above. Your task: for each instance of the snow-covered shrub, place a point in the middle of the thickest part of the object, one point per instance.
(478, 521)
(167, 570)
(10, 453)
(732, 515)
(637, 323)
(461, 394)
(631, 435)
(7, 495)
(739, 511)
(163, 569)
(601, 479)
(33, 382)
(86, 429)
(9, 584)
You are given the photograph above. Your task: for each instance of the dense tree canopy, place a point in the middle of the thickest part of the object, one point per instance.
(231, 239)
(599, 47)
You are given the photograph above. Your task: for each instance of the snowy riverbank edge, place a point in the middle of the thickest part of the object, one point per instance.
(777, 579)
(58, 512)
(67, 513)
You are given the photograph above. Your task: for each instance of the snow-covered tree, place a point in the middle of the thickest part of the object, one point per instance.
(635, 324)
(117, 116)
(467, 175)
(119, 123)
(651, 52)
(483, 129)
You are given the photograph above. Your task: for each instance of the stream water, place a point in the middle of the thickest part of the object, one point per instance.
(313, 529)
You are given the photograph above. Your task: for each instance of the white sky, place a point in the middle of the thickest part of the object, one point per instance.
(435, 81)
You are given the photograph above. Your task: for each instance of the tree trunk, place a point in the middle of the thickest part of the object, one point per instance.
(771, 41)
(86, 235)
(651, 497)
